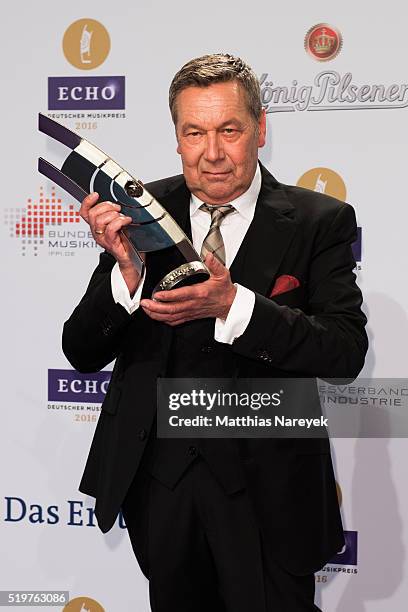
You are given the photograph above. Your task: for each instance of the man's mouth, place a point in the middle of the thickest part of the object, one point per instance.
(217, 174)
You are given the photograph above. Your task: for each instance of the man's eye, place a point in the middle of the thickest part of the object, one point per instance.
(193, 134)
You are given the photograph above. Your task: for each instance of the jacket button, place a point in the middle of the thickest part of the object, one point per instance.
(192, 450)
(206, 349)
(106, 327)
(142, 434)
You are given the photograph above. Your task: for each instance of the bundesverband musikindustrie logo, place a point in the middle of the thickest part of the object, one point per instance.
(49, 224)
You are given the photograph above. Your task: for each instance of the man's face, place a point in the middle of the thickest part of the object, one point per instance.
(218, 140)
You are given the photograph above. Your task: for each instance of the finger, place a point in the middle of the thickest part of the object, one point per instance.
(174, 323)
(156, 316)
(164, 308)
(179, 295)
(109, 235)
(214, 265)
(112, 230)
(101, 209)
(166, 319)
(100, 222)
(87, 204)
(112, 240)
(175, 308)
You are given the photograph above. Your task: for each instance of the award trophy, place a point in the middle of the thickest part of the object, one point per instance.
(88, 169)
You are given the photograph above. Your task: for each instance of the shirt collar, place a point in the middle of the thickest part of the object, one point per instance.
(245, 203)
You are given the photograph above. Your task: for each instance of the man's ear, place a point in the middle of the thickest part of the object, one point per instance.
(262, 129)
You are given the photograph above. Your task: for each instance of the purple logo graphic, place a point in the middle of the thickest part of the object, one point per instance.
(72, 386)
(348, 554)
(356, 246)
(86, 93)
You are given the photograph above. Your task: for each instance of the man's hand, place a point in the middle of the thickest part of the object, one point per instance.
(106, 222)
(212, 298)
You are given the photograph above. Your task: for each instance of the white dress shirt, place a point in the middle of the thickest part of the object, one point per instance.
(233, 229)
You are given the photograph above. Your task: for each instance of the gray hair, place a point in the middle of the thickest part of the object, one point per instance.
(217, 68)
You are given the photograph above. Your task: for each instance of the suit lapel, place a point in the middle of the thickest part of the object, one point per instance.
(267, 239)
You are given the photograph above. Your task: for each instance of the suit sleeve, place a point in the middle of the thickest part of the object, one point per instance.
(326, 339)
(93, 334)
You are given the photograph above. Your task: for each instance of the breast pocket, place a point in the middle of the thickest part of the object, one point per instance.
(294, 298)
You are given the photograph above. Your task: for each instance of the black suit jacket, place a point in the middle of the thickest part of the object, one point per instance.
(315, 330)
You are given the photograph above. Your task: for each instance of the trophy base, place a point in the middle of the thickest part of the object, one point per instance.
(187, 274)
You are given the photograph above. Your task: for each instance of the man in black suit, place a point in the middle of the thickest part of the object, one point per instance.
(232, 525)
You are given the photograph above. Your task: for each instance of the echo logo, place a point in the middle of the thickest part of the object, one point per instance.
(86, 93)
(73, 386)
(348, 554)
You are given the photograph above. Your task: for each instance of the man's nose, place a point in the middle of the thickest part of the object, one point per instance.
(213, 149)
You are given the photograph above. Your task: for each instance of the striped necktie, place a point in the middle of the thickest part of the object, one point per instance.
(213, 242)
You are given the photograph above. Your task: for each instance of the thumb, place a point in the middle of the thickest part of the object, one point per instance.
(214, 265)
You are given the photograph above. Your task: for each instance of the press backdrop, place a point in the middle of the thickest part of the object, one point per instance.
(335, 84)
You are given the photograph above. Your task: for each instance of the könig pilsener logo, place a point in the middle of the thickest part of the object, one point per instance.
(323, 42)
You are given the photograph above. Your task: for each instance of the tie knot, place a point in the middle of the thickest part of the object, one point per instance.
(217, 212)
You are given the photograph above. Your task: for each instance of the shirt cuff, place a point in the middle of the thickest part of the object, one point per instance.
(239, 315)
(120, 291)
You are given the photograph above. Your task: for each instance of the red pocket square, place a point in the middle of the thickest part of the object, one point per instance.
(284, 283)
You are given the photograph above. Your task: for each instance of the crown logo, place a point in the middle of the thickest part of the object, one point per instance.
(323, 42)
